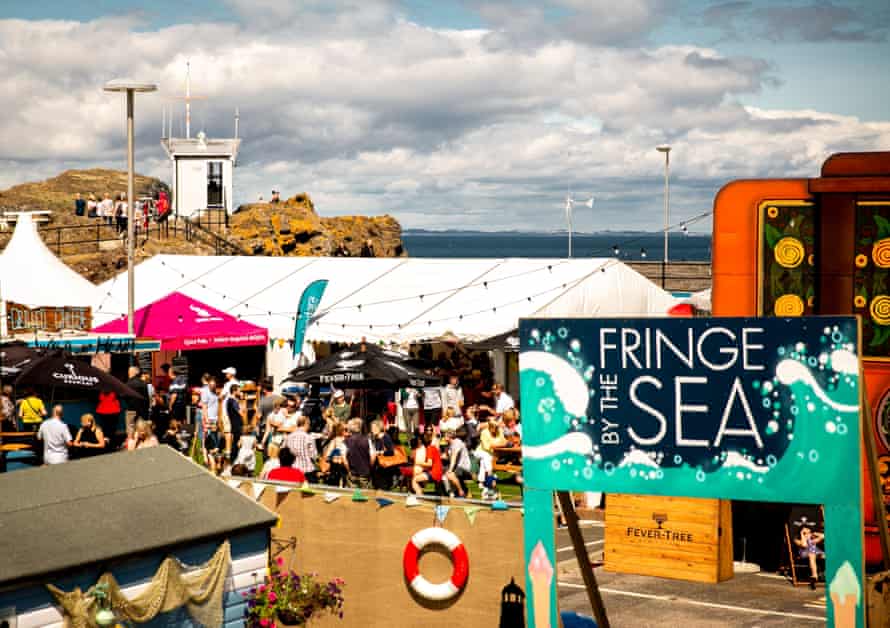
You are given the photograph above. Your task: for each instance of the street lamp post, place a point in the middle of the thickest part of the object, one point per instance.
(666, 149)
(130, 87)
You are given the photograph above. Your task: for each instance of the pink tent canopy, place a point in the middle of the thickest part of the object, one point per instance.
(181, 323)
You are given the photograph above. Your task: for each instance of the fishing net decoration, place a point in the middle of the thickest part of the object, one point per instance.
(199, 591)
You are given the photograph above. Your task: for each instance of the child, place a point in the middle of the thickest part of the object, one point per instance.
(214, 448)
(246, 452)
(809, 549)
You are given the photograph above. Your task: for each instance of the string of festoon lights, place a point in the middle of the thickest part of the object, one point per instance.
(292, 315)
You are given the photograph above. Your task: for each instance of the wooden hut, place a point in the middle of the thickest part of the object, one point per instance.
(141, 517)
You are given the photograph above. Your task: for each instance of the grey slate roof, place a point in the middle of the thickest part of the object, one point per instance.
(52, 517)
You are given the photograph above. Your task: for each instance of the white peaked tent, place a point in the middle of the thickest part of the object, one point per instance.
(30, 274)
(394, 300)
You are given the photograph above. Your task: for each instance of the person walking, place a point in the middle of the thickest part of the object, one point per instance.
(56, 438)
(234, 424)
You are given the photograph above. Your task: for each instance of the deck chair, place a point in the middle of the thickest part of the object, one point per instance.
(797, 569)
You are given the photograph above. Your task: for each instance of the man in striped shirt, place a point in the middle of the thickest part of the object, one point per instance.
(302, 446)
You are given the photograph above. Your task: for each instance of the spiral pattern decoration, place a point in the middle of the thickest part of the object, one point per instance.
(789, 252)
(880, 253)
(790, 305)
(880, 309)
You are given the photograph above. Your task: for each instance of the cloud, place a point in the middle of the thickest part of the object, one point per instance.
(820, 22)
(370, 112)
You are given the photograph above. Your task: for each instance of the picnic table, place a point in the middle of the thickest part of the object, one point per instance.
(507, 458)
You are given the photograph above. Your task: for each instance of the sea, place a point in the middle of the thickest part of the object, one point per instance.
(626, 245)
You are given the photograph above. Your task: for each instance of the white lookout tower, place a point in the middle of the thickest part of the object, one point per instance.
(203, 168)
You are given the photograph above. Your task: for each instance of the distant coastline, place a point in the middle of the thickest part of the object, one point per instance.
(632, 245)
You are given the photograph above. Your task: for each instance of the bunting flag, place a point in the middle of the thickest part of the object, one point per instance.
(442, 513)
(358, 496)
(384, 502)
(331, 497)
(282, 489)
(471, 512)
(258, 490)
(234, 483)
(499, 505)
(281, 343)
(412, 501)
(307, 490)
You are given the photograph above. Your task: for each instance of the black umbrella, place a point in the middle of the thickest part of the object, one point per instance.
(60, 369)
(364, 366)
(14, 357)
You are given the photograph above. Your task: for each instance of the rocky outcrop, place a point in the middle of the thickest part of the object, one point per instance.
(293, 227)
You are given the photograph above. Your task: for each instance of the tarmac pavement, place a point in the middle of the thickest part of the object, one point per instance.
(748, 600)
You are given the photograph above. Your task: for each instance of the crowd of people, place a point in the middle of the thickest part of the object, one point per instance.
(433, 438)
(113, 210)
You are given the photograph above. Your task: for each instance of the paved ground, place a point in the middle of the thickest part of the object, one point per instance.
(748, 600)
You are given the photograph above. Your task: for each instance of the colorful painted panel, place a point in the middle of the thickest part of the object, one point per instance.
(787, 274)
(762, 409)
(871, 285)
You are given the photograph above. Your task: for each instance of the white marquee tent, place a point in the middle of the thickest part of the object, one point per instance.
(31, 274)
(394, 300)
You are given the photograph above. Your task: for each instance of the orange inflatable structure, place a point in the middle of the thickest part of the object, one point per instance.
(793, 247)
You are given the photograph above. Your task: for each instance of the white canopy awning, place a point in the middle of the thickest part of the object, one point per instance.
(391, 299)
(30, 274)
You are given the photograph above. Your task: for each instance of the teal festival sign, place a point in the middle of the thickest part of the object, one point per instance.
(761, 409)
(309, 301)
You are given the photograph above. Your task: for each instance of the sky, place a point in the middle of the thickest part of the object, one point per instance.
(457, 114)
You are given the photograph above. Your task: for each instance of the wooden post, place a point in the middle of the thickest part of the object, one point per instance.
(593, 593)
(874, 477)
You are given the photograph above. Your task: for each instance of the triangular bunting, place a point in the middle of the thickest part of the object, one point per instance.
(499, 505)
(331, 497)
(258, 490)
(234, 483)
(307, 490)
(384, 502)
(471, 512)
(442, 513)
(358, 496)
(412, 501)
(283, 489)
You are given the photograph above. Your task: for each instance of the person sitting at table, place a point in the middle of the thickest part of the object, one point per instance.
(272, 462)
(214, 448)
(31, 411)
(459, 466)
(176, 437)
(491, 436)
(142, 436)
(9, 421)
(56, 438)
(451, 420)
(512, 426)
(429, 467)
(335, 456)
(89, 440)
(286, 471)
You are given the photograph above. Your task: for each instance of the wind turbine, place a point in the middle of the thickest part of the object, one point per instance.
(570, 204)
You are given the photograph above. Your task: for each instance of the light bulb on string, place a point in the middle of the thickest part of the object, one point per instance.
(615, 250)
(643, 253)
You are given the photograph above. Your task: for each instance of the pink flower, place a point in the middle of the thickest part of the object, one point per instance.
(264, 622)
(280, 561)
(272, 596)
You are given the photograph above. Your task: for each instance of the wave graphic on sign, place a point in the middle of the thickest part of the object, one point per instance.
(638, 457)
(790, 371)
(736, 460)
(572, 443)
(568, 384)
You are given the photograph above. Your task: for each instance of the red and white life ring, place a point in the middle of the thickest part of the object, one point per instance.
(423, 587)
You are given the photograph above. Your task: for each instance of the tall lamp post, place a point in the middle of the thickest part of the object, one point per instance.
(666, 149)
(130, 87)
